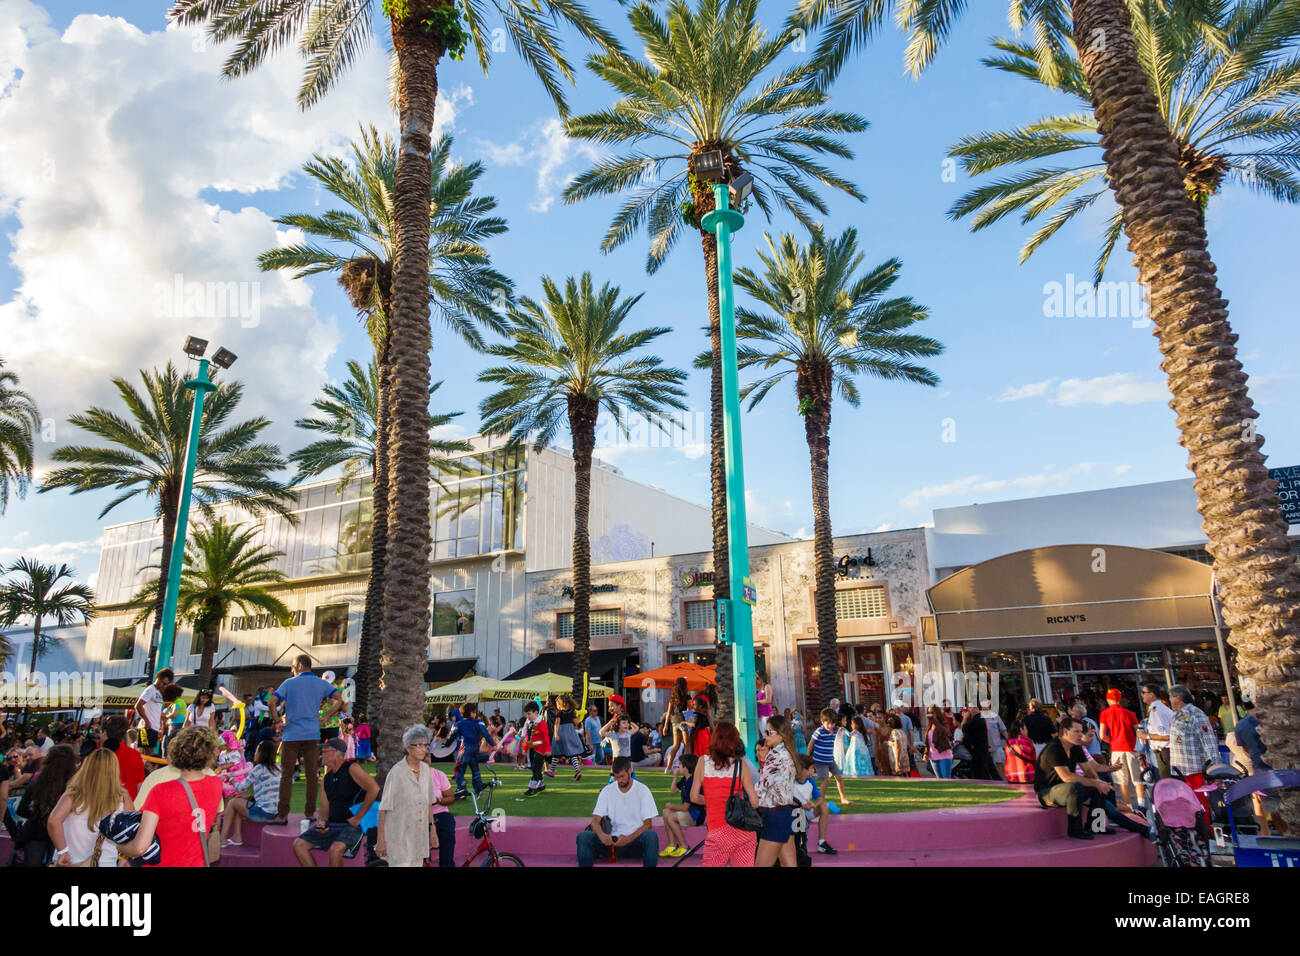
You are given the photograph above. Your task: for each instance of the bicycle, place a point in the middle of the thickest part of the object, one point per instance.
(480, 828)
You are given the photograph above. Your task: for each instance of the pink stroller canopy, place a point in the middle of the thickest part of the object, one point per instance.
(1175, 803)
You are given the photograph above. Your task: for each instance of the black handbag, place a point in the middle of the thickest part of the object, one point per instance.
(740, 813)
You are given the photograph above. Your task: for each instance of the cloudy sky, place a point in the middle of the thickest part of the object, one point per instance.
(129, 169)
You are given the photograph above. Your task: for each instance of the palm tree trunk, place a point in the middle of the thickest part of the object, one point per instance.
(36, 642)
(582, 426)
(1257, 574)
(406, 573)
(367, 676)
(211, 629)
(814, 387)
(703, 197)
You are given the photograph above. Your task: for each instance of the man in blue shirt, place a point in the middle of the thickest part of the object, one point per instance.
(302, 695)
(471, 732)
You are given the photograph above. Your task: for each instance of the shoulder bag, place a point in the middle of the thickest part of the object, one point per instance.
(740, 813)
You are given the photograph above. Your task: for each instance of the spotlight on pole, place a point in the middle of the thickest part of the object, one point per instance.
(741, 188)
(224, 358)
(710, 167)
(195, 346)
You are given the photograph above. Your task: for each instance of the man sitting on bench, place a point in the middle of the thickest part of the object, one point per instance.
(1058, 783)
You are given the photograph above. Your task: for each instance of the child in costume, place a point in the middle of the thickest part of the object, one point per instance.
(231, 766)
(347, 734)
(536, 735)
(363, 741)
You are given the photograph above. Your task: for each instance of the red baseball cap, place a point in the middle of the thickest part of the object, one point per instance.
(1114, 694)
(618, 699)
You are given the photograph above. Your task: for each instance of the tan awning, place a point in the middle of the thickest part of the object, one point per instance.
(1072, 590)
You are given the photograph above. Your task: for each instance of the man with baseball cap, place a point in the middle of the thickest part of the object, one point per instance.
(337, 829)
(1119, 730)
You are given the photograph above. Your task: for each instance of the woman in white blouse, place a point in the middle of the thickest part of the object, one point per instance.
(202, 713)
(406, 831)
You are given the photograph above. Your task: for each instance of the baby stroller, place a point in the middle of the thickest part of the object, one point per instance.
(961, 762)
(1178, 825)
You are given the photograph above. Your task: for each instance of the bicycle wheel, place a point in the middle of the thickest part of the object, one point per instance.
(502, 859)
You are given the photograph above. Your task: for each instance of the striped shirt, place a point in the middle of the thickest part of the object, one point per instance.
(266, 788)
(822, 745)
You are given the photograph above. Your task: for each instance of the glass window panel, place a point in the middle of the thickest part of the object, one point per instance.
(1058, 663)
(706, 658)
(196, 641)
(701, 615)
(1105, 662)
(329, 539)
(331, 624)
(866, 657)
(492, 517)
(123, 645)
(316, 496)
(311, 537)
(858, 603)
(453, 613)
(679, 657)
(606, 623)
(808, 663)
(444, 549)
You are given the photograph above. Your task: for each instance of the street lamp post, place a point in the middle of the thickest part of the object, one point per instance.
(200, 385)
(735, 621)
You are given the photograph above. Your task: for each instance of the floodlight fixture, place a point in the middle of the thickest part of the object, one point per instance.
(710, 166)
(195, 346)
(741, 188)
(224, 358)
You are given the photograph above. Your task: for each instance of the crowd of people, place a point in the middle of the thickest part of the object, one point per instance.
(80, 794)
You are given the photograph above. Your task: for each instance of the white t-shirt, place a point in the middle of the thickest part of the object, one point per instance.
(200, 716)
(153, 704)
(1159, 719)
(626, 811)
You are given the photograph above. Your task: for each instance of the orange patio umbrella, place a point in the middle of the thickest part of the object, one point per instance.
(697, 677)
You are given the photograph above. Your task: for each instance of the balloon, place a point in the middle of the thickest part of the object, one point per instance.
(235, 704)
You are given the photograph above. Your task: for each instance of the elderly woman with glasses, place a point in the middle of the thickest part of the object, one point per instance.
(406, 826)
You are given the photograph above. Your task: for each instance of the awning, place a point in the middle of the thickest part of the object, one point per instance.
(1075, 595)
(188, 681)
(561, 662)
(451, 669)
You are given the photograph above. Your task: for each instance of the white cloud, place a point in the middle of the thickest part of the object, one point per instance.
(545, 146)
(111, 180)
(882, 527)
(970, 485)
(1121, 388)
(1118, 389)
(1123, 469)
(1014, 393)
(73, 553)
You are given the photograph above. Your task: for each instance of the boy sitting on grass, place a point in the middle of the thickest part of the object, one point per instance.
(678, 816)
(811, 799)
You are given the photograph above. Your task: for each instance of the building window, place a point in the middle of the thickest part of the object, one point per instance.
(701, 615)
(196, 641)
(856, 603)
(602, 624)
(123, 646)
(453, 613)
(331, 624)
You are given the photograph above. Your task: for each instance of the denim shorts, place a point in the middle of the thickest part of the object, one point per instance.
(343, 833)
(778, 824)
(257, 815)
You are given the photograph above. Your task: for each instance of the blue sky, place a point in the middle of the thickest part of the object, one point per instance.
(153, 167)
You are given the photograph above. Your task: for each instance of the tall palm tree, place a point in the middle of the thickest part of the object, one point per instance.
(1231, 104)
(39, 591)
(145, 451)
(19, 422)
(824, 323)
(358, 243)
(570, 360)
(709, 80)
(329, 36)
(1258, 577)
(224, 566)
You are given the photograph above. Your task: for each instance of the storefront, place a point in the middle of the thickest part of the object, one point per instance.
(1075, 621)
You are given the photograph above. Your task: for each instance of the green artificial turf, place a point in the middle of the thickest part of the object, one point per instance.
(565, 798)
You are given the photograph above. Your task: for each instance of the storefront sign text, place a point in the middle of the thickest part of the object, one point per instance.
(567, 590)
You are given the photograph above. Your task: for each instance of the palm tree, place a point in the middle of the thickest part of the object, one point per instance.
(570, 359)
(824, 323)
(329, 36)
(709, 81)
(145, 451)
(346, 417)
(1231, 107)
(1258, 577)
(19, 421)
(359, 243)
(38, 592)
(223, 566)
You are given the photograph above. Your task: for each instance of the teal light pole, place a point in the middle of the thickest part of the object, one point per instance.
(200, 385)
(735, 621)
